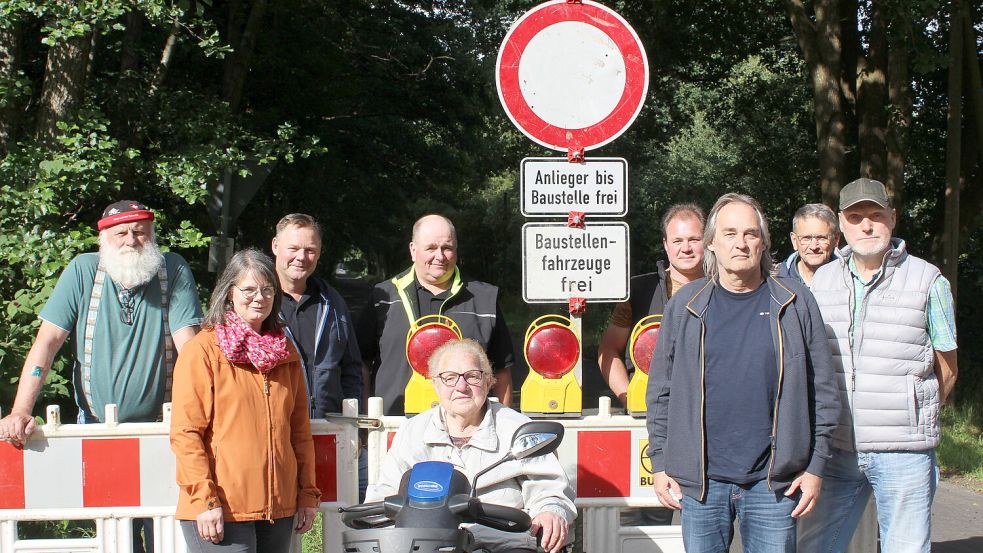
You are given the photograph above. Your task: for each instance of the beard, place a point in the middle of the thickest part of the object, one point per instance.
(872, 248)
(130, 267)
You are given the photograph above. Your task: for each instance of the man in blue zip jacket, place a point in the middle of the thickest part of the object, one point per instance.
(433, 285)
(742, 400)
(316, 316)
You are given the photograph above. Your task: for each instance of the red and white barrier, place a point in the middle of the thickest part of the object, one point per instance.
(112, 473)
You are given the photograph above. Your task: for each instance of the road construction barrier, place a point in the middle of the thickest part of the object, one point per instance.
(113, 473)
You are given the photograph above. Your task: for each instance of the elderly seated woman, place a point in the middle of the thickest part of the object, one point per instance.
(471, 433)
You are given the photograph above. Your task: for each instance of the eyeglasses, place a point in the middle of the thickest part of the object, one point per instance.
(249, 293)
(126, 302)
(820, 239)
(451, 378)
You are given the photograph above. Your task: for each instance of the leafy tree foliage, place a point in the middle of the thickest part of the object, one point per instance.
(89, 117)
(380, 112)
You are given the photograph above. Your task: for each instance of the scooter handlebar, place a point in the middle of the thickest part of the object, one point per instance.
(499, 517)
(357, 516)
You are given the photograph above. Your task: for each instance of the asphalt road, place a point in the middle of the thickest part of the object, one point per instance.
(957, 520)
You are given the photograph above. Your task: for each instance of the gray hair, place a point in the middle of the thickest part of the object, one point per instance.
(710, 258)
(683, 211)
(301, 220)
(468, 346)
(817, 211)
(242, 263)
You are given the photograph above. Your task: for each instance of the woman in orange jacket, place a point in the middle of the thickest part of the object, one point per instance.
(240, 427)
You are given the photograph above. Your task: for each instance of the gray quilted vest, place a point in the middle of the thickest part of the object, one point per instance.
(886, 375)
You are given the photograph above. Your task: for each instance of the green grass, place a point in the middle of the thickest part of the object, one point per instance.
(60, 529)
(312, 540)
(961, 450)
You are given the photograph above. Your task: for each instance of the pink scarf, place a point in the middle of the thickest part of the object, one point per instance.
(241, 344)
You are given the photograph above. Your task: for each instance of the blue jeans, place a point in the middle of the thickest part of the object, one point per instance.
(765, 519)
(903, 484)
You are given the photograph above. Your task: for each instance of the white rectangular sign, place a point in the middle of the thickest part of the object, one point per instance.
(560, 262)
(552, 186)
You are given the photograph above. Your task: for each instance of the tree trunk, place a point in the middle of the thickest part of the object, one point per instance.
(852, 61)
(166, 55)
(130, 50)
(871, 99)
(900, 116)
(237, 68)
(10, 46)
(125, 118)
(953, 158)
(974, 85)
(64, 84)
(971, 194)
(820, 44)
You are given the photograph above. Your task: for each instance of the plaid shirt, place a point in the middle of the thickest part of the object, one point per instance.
(940, 315)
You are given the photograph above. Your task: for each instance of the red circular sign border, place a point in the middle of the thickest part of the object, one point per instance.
(522, 115)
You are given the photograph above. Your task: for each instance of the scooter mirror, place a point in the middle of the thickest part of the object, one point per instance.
(532, 439)
(536, 438)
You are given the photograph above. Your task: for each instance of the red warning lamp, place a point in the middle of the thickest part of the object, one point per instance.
(552, 350)
(643, 345)
(425, 336)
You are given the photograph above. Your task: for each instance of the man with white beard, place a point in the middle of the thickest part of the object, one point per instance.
(130, 308)
(890, 323)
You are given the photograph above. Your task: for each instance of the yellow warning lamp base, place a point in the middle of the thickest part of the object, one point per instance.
(636, 394)
(420, 395)
(551, 397)
(640, 379)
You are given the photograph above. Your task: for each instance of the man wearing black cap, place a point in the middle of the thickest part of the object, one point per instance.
(891, 325)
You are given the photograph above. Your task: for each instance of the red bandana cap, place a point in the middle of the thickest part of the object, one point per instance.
(125, 211)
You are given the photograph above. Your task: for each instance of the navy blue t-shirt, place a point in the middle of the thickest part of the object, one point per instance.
(741, 384)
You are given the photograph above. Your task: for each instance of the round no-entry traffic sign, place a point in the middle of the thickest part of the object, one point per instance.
(572, 75)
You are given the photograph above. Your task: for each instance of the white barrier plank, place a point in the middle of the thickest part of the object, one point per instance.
(53, 473)
(158, 472)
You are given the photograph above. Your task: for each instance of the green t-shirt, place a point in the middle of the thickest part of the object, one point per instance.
(128, 364)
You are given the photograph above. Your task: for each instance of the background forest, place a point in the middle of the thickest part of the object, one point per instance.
(378, 111)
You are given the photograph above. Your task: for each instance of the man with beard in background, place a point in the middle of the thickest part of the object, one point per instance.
(130, 309)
